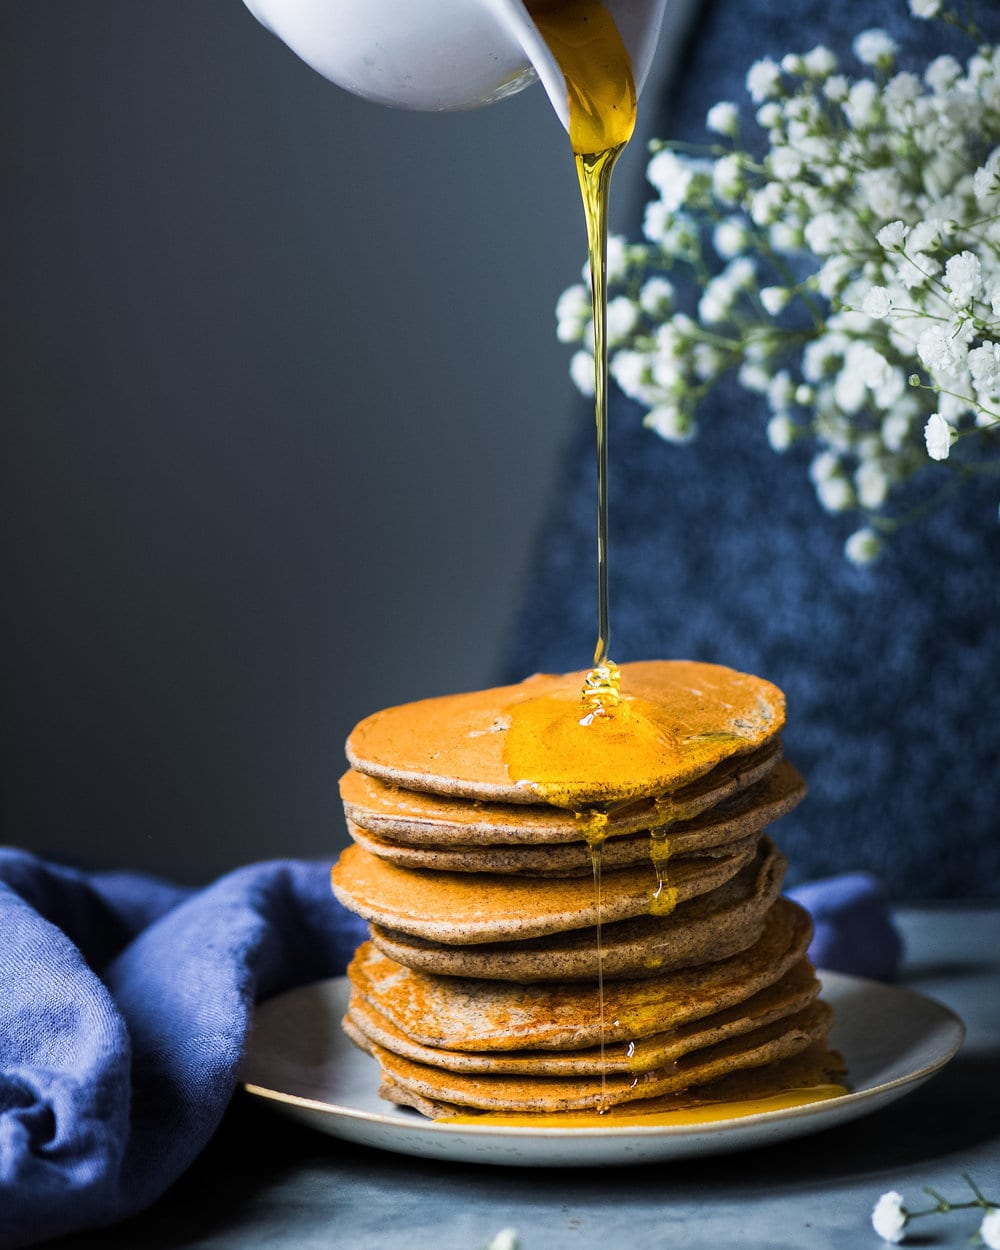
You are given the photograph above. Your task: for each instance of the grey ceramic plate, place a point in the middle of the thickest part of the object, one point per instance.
(301, 1063)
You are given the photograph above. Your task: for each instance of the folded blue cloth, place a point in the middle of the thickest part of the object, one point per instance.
(124, 1006)
(125, 1003)
(853, 925)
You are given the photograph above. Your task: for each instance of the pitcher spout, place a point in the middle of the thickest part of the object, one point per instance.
(638, 23)
(441, 55)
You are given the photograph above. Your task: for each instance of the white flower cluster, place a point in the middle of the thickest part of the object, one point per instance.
(850, 275)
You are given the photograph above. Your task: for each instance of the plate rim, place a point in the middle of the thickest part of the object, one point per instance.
(836, 982)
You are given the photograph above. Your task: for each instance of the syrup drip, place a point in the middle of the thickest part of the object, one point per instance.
(664, 898)
(593, 829)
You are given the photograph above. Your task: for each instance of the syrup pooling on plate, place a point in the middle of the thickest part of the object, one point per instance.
(620, 1116)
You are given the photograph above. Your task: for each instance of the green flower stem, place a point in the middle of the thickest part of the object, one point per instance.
(940, 390)
(784, 272)
(967, 27)
(889, 525)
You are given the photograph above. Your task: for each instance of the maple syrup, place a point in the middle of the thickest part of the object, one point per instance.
(593, 826)
(677, 1116)
(583, 38)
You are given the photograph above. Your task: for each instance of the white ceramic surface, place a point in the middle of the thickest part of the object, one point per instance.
(440, 54)
(300, 1062)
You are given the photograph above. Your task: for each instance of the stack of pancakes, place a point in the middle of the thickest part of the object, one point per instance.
(574, 912)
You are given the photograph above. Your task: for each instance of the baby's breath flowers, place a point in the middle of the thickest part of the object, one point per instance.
(891, 1219)
(506, 1239)
(846, 268)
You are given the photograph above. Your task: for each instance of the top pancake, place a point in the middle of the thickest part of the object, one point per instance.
(678, 720)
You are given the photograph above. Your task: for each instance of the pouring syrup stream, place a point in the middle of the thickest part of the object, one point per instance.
(583, 38)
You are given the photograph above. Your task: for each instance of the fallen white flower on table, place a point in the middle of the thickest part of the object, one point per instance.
(989, 1229)
(889, 1217)
(506, 1239)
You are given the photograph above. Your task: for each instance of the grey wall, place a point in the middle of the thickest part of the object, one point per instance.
(281, 405)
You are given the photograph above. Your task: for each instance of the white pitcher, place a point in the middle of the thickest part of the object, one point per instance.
(441, 54)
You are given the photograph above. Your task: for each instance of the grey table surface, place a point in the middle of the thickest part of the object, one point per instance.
(265, 1182)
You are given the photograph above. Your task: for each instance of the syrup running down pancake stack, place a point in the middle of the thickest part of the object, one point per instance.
(580, 913)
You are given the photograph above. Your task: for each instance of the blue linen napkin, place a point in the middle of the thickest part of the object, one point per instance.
(124, 1007)
(853, 928)
(125, 1003)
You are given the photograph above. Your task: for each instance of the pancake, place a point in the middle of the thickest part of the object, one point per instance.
(460, 1013)
(455, 907)
(793, 993)
(414, 818)
(525, 1094)
(677, 720)
(748, 813)
(713, 926)
(815, 1067)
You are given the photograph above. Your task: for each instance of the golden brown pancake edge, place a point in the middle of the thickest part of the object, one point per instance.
(458, 744)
